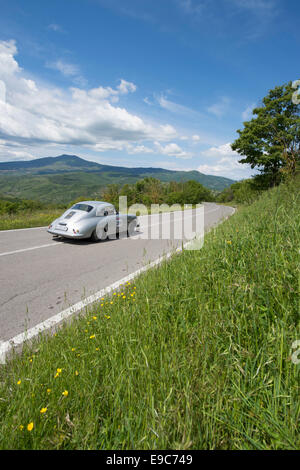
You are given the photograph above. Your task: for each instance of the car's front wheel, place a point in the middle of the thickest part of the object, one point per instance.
(131, 228)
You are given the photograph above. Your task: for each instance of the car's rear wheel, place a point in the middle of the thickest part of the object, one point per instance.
(100, 235)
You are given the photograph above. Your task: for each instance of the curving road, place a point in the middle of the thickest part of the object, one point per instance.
(41, 276)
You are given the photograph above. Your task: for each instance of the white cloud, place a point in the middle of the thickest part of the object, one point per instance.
(11, 152)
(126, 87)
(220, 108)
(172, 150)
(192, 7)
(147, 101)
(139, 149)
(247, 114)
(221, 150)
(68, 70)
(55, 27)
(35, 115)
(223, 161)
(257, 7)
(196, 138)
(175, 107)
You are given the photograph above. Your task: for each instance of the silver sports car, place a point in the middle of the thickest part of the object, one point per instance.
(93, 219)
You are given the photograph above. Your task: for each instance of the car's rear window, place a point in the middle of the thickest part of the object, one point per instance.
(83, 207)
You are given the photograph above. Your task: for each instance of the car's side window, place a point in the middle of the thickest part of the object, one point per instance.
(99, 212)
(111, 210)
(104, 211)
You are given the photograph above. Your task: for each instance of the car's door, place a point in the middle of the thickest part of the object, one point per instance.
(112, 221)
(106, 219)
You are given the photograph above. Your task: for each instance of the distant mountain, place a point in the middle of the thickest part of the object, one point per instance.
(66, 177)
(51, 164)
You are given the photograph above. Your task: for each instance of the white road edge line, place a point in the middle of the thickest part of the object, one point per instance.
(28, 249)
(6, 346)
(22, 229)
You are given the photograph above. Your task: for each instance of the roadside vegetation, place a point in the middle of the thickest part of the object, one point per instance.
(23, 213)
(152, 191)
(195, 354)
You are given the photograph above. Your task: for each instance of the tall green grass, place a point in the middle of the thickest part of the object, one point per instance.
(195, 355)
(28, 219)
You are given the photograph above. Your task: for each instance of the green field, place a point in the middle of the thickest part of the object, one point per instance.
(196, 354)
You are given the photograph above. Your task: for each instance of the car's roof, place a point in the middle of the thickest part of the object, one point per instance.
(95, 203)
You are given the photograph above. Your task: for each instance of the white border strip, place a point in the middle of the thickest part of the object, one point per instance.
(22, 229)
(7, 346)
(28, 249)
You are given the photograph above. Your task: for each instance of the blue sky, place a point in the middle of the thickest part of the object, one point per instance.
(162, 83)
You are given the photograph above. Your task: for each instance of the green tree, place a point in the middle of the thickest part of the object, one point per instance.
(271, 140)
(195, 193)
(111, 194)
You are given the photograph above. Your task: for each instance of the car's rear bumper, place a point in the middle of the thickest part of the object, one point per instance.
(61, 233)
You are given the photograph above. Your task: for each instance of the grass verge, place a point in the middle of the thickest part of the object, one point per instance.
(29, 219)
(196, 354)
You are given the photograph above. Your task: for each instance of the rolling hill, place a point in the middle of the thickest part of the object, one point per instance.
(66, 177)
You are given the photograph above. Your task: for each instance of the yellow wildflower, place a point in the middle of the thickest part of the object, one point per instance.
(30, 426)
(48, 390)
(65, 393)
(19, 382)
(43, 410)
(21, 427)
(92, 336)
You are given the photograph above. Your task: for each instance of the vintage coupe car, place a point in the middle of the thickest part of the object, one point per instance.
(93, 219)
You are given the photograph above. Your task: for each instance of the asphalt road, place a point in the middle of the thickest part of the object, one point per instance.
(41, 276)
